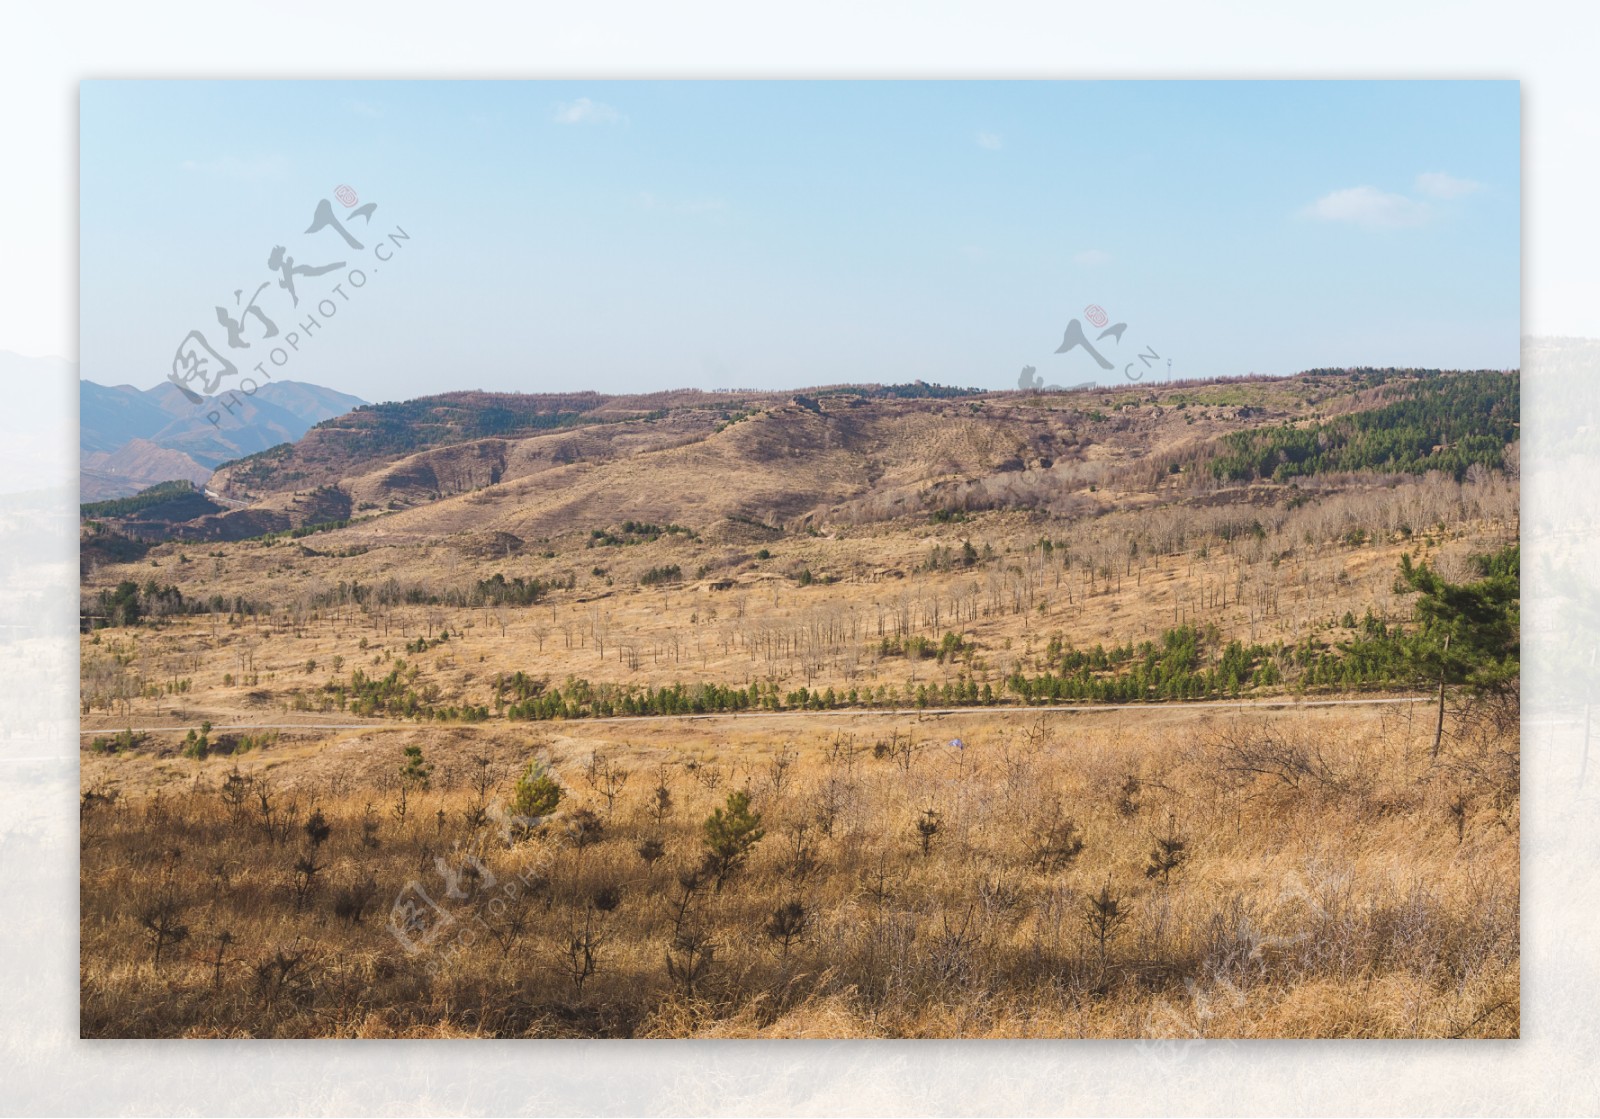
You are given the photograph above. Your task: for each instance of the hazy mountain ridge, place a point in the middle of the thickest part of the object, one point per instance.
(132, 438)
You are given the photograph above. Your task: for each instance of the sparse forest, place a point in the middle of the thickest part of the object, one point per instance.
(1186, 710)
(1447, 424)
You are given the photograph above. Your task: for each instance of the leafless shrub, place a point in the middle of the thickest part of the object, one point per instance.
(317, 829)
(580, 954)
(901, 749)
(878, 882)
(709, 775)
(661, 803)
(606, 778)
(1105, 914)
(778, 769)
(369, 827)
(952, 946)
(235, 793)
(222, 939)
(1128, 803)
(1248, 753)
(690, 947)
(831, 799)
(690, 952)
(650, 849)
(1170, 852)
(799, 859)
(483, 782)
(304, 879)
(787, 924)
(1001, 897)
(584, 828)
(1052, 838)
(508, 922)
(162, 921)
(351, 902)
(285, 974)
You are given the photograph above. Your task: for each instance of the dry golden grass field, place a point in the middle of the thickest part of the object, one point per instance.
(1306, 873)
(312, 802)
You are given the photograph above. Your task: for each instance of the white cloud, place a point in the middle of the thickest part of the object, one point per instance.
(585, 111)
(1091, 257)
(1437, 184)
(991, 141)
(362, 109)
(1369, 208)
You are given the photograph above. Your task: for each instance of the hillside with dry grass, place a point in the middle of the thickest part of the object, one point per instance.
(866, 712)
(836, 455)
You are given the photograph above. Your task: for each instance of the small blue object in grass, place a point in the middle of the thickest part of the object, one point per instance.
(958, 744)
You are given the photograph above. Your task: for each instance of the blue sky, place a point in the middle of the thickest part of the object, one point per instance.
(626, 236)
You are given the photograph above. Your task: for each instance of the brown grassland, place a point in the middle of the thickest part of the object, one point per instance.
(1330, 883)
(306, 866)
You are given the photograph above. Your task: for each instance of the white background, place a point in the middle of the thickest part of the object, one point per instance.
(46, 50)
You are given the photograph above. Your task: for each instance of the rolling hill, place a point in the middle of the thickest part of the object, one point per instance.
(525, 468)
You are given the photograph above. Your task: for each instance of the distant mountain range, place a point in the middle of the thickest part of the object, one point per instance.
(132, 438)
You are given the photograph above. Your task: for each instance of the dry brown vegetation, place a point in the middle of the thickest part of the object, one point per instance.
(1305, 874)
(1258, 573)
(1164, 872)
